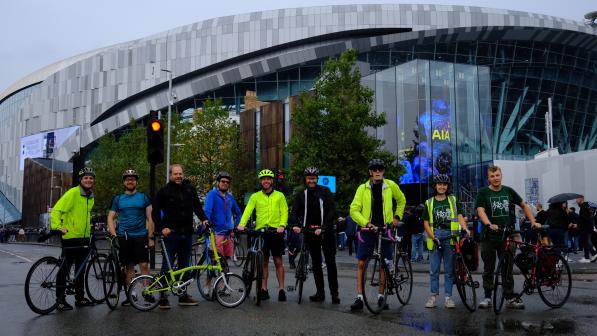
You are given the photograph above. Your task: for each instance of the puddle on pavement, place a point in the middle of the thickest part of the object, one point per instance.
(584, 300)
(474, 326)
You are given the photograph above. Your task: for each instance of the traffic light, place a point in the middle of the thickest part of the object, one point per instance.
(155, 139)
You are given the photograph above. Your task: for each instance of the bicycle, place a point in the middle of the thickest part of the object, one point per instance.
(302, 266)
(542, 267)
(205, 277)
(115, 280)
(41, 281)
(253, 268)
(240, 252)
(374, 278)
(229, 288)
(463, 279)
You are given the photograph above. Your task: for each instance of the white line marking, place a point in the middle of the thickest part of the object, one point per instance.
(18, 256)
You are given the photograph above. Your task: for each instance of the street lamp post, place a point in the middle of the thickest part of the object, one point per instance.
(170, 98)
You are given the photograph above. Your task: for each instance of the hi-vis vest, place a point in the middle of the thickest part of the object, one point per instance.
(454, 225)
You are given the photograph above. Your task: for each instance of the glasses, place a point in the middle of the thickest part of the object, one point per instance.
(225, 181)
(377, 169)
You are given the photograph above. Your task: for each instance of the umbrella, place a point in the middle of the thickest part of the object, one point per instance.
(592, 204)
(559, 198)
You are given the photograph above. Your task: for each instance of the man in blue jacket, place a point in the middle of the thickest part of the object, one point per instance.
(220, 208)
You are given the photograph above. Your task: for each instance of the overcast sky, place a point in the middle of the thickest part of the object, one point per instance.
(36, 33)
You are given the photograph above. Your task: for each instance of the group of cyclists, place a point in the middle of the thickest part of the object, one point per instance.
(378, 204)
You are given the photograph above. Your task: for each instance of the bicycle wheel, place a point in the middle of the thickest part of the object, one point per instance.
(40, 285)
(465, 285)
(206, 280)
(403, 278)
(230, 290)
(259, 277)
(111, 283)
(554, 280)
(501, 282)
(94, 278)
(144, 292)
(239, 255)
(301, 275)
(373, 280)
(249, 272)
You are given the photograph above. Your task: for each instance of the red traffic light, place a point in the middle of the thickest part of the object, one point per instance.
(156, 125)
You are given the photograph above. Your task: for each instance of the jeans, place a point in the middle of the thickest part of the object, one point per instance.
(179, 246)
(341, 240)
(587, 245)
(435, 256)
(418, 240)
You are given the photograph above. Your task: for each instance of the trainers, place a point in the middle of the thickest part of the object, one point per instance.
(594, 258)
(63, 305)
(515, 304)
(449, 303)
(357, 305)
(263, 294)
(485, 303)
(431, 302)
(335, 299)
(381, 302)
(164, 303)
(84, 303)
(584, 260)
(281, 295)
(317, 298)
(187, 300)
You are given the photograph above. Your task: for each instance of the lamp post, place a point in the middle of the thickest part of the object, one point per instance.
(170, 98)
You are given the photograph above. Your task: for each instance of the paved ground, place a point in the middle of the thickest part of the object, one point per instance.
(275, 318)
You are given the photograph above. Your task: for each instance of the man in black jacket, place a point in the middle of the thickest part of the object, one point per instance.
(586, 224)
(172, 213)
(314, 209)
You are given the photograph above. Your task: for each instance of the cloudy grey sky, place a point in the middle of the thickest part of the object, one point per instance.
(36, 33)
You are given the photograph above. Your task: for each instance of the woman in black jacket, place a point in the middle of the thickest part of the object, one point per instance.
(559, 222)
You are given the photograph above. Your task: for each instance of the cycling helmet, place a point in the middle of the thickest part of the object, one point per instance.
(87, 171)
(377, 163)
(130, 172)
(266, 173)
(222, 175)
(311, 171)
(441, 178)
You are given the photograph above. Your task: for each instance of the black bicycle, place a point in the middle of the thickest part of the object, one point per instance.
(302, 266)
(253, 268)
(115, 280)
(376, 285)
(41, 281)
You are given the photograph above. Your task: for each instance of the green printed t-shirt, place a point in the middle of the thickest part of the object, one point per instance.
(499, 207)
(441, 213)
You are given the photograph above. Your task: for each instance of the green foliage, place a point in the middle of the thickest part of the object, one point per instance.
(112, 157)
(330, 129)
(209, 144)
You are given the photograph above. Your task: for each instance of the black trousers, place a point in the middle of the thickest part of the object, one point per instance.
(76, 255)
(327, 243)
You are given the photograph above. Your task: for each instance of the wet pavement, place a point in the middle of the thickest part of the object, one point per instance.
(577, 317)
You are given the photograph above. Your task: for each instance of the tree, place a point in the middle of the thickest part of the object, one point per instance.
(112, 156)
(209, 144)
(330, 129)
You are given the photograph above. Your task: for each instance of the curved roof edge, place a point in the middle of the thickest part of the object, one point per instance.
(43, 73)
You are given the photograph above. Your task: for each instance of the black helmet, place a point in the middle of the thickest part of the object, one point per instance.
(441, 178)
(222, 175)
(130, 172)
(87, 171)
(377, 163)
(311, 171)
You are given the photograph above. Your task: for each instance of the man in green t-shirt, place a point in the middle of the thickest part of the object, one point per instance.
(495, 207)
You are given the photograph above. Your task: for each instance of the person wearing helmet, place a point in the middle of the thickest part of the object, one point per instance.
(223, 213)
(314, 209)
(372, 208)
(172, 212)
(442, 217)
(72, 216)
(135, 226)
(271, 211)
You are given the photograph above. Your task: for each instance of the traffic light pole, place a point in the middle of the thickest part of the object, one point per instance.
(152, 195)
(169, 120)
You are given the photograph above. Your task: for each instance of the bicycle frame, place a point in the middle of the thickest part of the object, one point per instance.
(537, 248)
(92, 252)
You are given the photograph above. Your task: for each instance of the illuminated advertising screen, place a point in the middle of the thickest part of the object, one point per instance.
(328, 181)
(42, 145)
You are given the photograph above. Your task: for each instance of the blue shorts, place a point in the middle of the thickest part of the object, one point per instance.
(365, 248)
